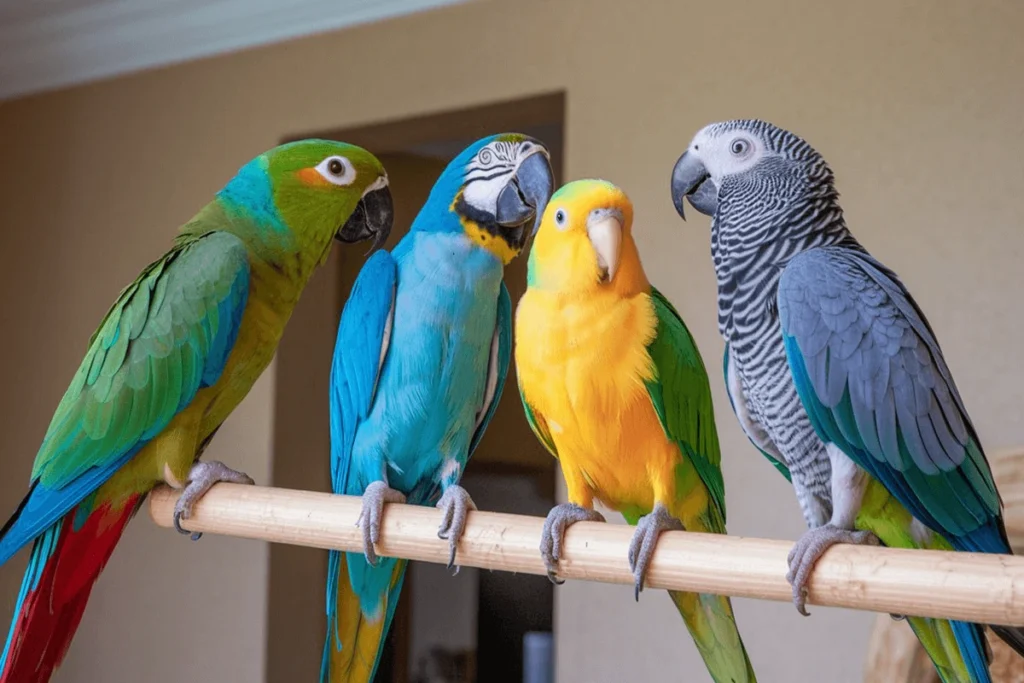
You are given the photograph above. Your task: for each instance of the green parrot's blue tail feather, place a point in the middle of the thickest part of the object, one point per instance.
(971, 640)
(42, 507)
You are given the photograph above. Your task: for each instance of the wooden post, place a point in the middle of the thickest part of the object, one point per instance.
(970, 587)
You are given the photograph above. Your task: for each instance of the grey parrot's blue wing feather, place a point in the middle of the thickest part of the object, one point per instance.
(871, 376)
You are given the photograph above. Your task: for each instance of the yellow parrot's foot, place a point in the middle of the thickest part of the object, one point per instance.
(558, 520)
(811, 546)
(455, 504)
(201, 478)
(645, 538)
(372, 514)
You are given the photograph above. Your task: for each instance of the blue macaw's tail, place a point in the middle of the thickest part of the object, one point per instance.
(66, 560)
(361, 602)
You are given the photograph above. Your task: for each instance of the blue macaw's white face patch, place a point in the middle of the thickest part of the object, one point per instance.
(489, 172)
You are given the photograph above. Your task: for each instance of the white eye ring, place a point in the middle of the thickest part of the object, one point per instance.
(561, 219)
(337, 170)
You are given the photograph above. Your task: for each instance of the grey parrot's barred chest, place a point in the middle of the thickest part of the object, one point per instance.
(752, 240)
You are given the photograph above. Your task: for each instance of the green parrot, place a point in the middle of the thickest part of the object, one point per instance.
(175, 354)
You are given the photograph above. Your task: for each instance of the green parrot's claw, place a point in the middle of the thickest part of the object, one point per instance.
(185, 532)
(645, 539)
(811, 546)
(560, 518)
(201, 478)
(455, 505)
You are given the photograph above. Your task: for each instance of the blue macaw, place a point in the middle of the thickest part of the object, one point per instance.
(420, 362)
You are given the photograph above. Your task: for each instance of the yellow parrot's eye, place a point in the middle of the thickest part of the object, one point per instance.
(561, 219)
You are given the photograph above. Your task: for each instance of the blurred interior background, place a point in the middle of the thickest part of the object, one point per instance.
(119, 120)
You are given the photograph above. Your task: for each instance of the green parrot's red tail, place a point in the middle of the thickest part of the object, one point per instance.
(66, 560)
(713, 627)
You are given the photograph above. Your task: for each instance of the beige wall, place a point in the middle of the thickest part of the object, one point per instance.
(916, 103)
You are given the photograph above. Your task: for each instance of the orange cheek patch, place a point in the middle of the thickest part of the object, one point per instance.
(311, 177)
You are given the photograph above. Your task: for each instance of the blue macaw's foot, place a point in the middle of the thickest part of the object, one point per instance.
(810, 547)
(558, 520)
(372, 514)
(645, 539)
(201, 478)
(455, 504)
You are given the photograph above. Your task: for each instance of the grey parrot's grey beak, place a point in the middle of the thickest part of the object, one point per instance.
(524, 198)
(692, 181)
(374, 217)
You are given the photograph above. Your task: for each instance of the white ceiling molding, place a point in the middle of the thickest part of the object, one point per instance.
(48, 44)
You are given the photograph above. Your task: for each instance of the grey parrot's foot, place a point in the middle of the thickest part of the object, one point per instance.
(372, 514)
(201, 478)
(810, 548)
(645, 538)
(558, 520)
(455, 504)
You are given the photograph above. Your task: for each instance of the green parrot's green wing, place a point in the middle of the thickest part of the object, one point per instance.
(168, 334)
(681, 396)
(538, 424)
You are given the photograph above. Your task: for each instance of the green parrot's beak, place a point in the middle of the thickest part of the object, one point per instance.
(691, 180)
(373, 217)
(524, 198)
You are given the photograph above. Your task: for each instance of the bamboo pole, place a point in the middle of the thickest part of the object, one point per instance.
(965, 586)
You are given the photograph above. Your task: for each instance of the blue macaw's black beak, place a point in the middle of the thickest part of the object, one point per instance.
(691, 180)
(373, 218)
(524, 198)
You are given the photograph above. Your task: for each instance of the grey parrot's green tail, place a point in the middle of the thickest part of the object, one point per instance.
(713, 628)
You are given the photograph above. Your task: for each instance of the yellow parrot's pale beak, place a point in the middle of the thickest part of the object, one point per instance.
(604, 228)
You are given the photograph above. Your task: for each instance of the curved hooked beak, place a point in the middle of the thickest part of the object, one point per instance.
(691, 180)
(604, 228)
(373, 217)
(524, 197)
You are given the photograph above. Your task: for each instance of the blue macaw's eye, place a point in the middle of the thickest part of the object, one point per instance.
(561, 218)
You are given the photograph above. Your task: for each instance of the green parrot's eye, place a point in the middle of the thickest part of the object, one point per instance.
(337, 170)
(561, 218)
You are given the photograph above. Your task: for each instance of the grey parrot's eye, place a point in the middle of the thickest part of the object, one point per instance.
(739, 147)
(561, 218)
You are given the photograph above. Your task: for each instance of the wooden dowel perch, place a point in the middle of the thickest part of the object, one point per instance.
(970, 587)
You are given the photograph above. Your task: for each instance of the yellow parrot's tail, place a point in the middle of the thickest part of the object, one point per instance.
(713, 627)
(355, 639)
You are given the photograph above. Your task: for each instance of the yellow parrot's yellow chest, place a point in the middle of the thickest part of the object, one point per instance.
(582, 364)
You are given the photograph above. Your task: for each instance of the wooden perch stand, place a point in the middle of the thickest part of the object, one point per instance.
(965, 586)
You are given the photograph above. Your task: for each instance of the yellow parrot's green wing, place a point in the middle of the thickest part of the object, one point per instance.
(681, 395)
(538, 424)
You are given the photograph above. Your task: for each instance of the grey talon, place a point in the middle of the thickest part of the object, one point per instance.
(645, 540)
(809, 549)
(455, 505)
(560, 518)
(372, 515)
(201, 478)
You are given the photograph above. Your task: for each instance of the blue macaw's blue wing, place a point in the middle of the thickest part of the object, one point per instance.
(499, 372)
(359, 354)
(871, 376)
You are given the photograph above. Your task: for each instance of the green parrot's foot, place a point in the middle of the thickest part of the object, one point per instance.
(810, 548)
(645, 538)
(201, 478)
(372, 514)
(558, 520)
(455, 504)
